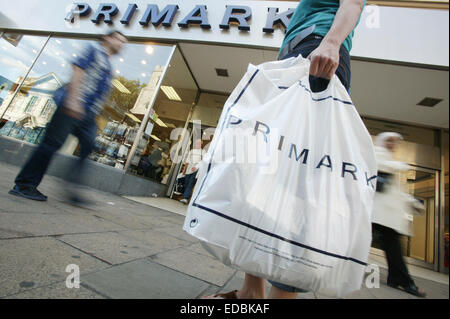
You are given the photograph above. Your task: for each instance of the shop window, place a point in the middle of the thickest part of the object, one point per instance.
(135, 69)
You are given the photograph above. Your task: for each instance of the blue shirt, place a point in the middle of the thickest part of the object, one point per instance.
(98, 76)
(96, 85)
(318, 12)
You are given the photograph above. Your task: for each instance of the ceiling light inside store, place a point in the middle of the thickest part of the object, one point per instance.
(155, 138)
(222, 72)
(160, 123)
(170, 93)
(149, 49)
(74, 55)
(57, 41)
(118, 85)
(144, 62)
(121, 59)
(144, 75)
(429, 102)
(134, 118)
(44, 63)
(117, 71)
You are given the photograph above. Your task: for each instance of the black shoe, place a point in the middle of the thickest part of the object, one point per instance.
(28, 192)
(410, 288)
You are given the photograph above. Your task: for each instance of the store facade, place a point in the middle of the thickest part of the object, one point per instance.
(183, 61)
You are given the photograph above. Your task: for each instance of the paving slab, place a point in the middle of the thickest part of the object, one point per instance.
(363, 293)
(178, 232)
(157, 240)
(49, 224)
(57, 291)
(196, 265)
(198, 248)
(144, 279)
(433, 289)
(124, 219)
(110, 247)
(33, 262)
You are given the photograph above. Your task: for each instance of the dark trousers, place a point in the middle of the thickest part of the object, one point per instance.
(57, 132)
(148, 170)
(189, 185)
(319, 84)
(390, 243)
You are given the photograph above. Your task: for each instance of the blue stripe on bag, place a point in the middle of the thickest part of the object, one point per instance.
(248, 225)
(325, 98)
(316, 100)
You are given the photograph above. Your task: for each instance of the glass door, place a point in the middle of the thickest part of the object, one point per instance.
(420, 249)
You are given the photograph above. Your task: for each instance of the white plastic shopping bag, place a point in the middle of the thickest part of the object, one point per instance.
(286, 189)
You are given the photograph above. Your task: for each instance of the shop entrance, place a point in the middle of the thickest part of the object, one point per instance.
(202, 124)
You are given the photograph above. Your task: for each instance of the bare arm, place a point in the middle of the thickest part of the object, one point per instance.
(325, 59)
(73, 106)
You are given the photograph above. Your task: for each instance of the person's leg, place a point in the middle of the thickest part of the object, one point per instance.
(190, 182)
(398, 274)
(33, 171)
(86, 132)
(390, 243)
(152, 171)
(253, 288)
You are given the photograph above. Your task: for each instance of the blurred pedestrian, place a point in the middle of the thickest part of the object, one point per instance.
(191, 169)
(78, 104)
(391, 208)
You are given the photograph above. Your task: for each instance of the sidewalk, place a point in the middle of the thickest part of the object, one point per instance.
(124, 249)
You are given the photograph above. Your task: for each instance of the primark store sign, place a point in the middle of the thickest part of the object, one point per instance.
(237, 22)
(238, 15)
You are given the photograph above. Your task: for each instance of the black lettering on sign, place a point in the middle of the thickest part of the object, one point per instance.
(153, 14)
(239, 14)
(196, 16)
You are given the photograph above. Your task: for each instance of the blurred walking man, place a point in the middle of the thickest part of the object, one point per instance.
(78, 104)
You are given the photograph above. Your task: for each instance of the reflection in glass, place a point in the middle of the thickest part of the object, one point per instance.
(132, 89)
(21, 118)
(33, 107)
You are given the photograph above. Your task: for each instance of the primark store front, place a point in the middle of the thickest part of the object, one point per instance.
(183, 60)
